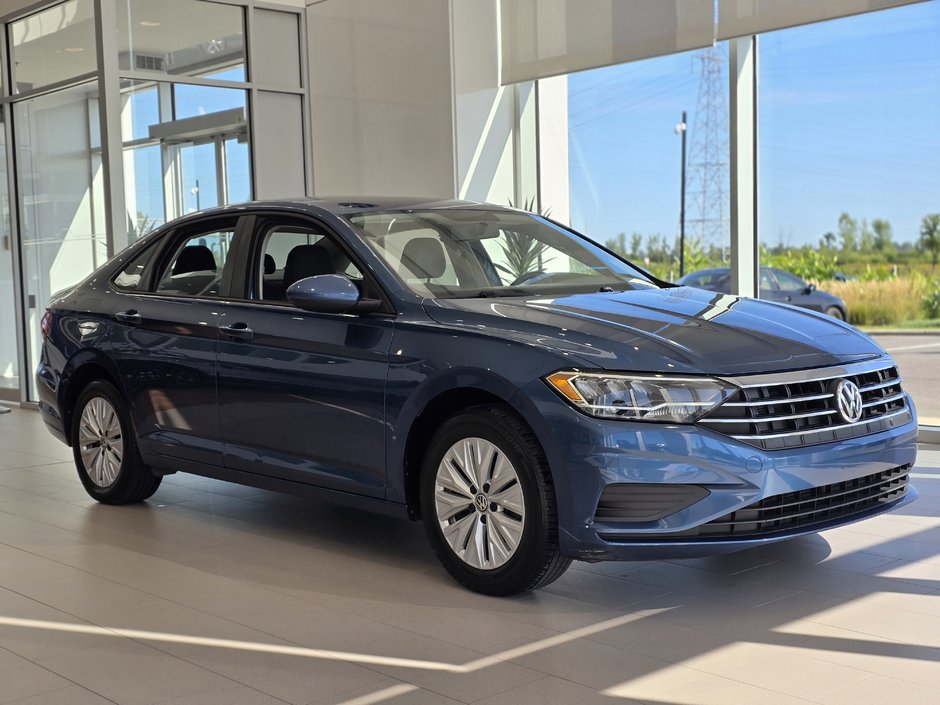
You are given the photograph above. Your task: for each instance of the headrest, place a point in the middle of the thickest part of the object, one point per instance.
(423, 257)
(194, 258)
(306, 261)
(270, 266)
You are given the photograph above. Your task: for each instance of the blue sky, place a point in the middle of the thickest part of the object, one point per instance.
(850, 121)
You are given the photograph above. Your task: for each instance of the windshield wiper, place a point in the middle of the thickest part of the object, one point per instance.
(507, 291)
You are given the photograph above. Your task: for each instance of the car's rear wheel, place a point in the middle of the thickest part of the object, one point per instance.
(489, 505)
(835, 312)
(105, 448)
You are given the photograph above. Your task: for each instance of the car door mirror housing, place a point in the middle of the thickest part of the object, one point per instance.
(810, 288)
(329, 293)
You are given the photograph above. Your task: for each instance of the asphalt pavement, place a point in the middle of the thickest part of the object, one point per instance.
(918, 358)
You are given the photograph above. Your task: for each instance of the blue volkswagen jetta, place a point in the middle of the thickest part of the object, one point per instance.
(528, 394)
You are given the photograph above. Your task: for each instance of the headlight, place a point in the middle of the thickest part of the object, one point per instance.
(641, 398)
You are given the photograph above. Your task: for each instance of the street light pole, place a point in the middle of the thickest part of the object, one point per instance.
(682, 128)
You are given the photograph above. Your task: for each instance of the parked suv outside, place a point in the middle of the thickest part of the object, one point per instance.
(526, 393)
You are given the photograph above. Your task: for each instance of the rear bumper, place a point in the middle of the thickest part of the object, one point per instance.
(47, 386)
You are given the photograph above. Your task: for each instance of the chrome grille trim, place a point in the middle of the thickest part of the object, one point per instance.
(885, 400)
(777, 418)
(777, 378)
(825, 428)
(769, 402)
(794, 409)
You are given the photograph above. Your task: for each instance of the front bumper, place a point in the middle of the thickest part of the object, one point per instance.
(587, 455)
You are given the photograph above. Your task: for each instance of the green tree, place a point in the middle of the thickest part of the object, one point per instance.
(884, 237)
(618, 244)
(828, 241)
(636, 246)
(866, 238)
(930, 238)
(848, 233)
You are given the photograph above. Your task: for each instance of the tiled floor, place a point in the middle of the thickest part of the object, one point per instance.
(217, 594)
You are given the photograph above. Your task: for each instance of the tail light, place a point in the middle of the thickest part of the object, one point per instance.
(45, 325)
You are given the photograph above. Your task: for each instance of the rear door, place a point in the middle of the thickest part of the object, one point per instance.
(302, 395)
(165, 342)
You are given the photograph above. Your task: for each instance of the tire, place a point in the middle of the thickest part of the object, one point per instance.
(501, 540)
(835, 312)
(104, 446)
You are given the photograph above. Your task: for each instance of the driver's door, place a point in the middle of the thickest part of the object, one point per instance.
(302, 395)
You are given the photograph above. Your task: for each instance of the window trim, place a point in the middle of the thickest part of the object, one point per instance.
(264, 221)
(213, 223)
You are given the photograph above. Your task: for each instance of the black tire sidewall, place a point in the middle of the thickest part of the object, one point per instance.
(527, 562)
(119, 488)
(838, 315)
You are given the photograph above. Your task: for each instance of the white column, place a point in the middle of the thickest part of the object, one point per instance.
(742, 59)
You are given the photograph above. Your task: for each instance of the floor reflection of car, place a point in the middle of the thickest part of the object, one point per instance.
(528, 395)
(775, 285)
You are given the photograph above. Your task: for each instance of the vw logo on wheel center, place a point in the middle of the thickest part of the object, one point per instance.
(849, 400)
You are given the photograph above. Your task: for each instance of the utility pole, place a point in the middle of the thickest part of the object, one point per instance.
(682, 128)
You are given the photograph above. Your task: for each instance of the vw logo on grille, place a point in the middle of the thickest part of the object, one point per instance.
(849, 400)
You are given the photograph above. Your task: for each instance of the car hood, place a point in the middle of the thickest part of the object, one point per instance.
(674, 330)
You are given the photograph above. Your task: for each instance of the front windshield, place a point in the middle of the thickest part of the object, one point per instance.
(464, 252)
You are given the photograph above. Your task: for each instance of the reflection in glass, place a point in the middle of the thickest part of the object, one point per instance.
(62, 226)
(53, 45)
(181, 38)
(9, 372)
(625, 159)
(185, 149)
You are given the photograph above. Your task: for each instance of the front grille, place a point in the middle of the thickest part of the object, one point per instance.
(794, 409)
(802, 510)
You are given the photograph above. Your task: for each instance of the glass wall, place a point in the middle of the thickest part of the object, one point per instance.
(61, 216)
(181, 38)
(626, 176)
(185, 99)
(9, 363)
(850, 182)
(186, 147)
(53, 45)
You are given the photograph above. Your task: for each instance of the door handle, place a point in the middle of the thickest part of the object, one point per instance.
(239, 331)
(131, 316)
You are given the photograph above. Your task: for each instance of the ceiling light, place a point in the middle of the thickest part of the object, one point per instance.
(149, 23)
(74, 50)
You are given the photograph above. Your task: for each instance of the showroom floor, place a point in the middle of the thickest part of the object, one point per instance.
(216, 594)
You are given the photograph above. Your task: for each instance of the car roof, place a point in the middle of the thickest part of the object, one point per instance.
(351, 205)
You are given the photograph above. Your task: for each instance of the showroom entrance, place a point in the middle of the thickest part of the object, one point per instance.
(117, 116)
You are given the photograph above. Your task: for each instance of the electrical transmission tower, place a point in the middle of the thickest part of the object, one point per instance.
(708, 158)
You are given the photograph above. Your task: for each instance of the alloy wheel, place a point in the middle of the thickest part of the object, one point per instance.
(479, 503)
(100, 441)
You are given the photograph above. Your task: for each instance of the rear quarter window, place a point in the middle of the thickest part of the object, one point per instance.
(130, 277)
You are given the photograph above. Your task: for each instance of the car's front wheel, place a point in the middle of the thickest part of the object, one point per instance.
(489, 505)
(835, 312)
(105, 448)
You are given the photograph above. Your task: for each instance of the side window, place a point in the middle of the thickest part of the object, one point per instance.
(789, 282)
(196, 267)
(766, 281)
(128, 279)
(291, 253)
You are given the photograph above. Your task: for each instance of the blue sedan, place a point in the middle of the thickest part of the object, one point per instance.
(527, 394)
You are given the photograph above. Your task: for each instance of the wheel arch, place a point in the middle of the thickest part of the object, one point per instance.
(436, 407)
(85, 367)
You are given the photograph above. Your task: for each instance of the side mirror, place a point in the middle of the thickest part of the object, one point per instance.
(329, 293)
(810, 288)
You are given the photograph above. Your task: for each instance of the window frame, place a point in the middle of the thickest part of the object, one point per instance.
(174, 238)
(253, 244)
